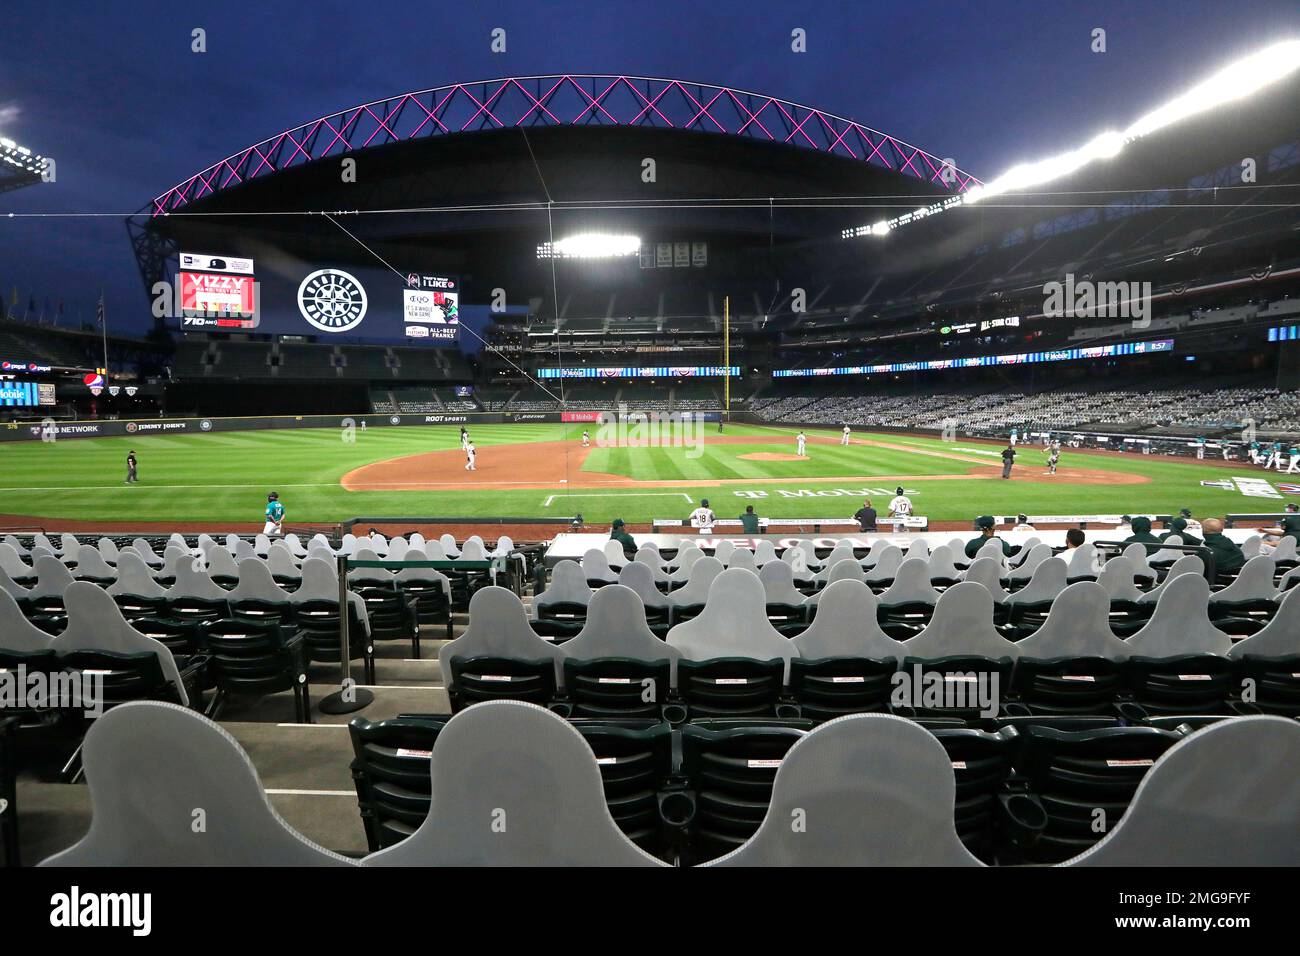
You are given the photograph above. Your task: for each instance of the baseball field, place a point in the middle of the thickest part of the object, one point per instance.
(542, 470)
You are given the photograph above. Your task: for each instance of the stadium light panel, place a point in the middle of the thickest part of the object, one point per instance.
(591, 245)
(1236, 81)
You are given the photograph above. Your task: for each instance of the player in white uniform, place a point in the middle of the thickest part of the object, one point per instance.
(464, 438)
(900, 509)
(702, 517)
(586, 439)
(847, 432)
(801, 442)
(470, 455)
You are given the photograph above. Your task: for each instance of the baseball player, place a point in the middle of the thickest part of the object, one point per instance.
(1293, 458)
(847, 431)
(470, 455)
(274, 515)
(464, 438)
(900, 509)
(1053, 458)
(1254, 453)
(702, 517)
(1274, 455)
(586, 439)
(131, 468)
(1015, 435)
(1008, 459)
(801, 443)
(1200, 449)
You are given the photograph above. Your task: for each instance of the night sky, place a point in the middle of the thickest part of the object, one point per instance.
(113, 92)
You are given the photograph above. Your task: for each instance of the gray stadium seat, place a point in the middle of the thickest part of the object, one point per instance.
(1081, 563)
(641, 578)
(1187, 564)
(743, 558)
(911, 584)
(1181, 622)
(616, 627)
(1137, 556)
(733, 623)
(1228, 795)
(91, 564)
(1280, 637)
(171, 788)
(11, 587)
(257, 584)
(696, 589)
(863, 790)
(846, 625)
(1048, 580)
(1024, 570)
(778, 584)
(514, 785)
(988, 572)
(845, 569)
(194, 582)
(1078, 625)
(568, 588)
(1254, 582)
(17, 634)
(596, 569)
(52, 578)
(135, 578)
(886, 566)
(962, 625)
(1116, 578)
(498, 628)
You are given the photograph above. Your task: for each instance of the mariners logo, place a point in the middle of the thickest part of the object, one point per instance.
(205, 425)
(332, 300)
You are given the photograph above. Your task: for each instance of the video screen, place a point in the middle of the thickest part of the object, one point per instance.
(277, 294)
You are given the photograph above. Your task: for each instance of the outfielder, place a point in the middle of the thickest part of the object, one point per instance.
(801, 444)
(274, 515)
(1293, 456)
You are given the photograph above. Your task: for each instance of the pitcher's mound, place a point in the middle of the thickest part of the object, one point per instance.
(772, 456)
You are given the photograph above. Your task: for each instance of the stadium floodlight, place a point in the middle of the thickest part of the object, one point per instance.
(591, 245)
(19, 160)
(1236, 81)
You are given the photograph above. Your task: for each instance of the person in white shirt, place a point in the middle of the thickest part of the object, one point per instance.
(1022, 524)
(702, 517)
(801, 442)
(464, 438)
(586, 439)
(1124, 528)
(470, 455)
(900, 509)
(847, 432)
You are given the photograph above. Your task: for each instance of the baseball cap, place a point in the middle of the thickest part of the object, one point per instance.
(618, 523)
(1186, 512)
(984, 521)
(273, 496)
(898, 490)
(704, 502)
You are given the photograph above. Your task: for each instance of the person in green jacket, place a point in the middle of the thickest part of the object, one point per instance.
(1179, 527)
(985, 524)
(1288, 527)
(1141, 533)
(749, 520)
(617, 533)
(1228, 557)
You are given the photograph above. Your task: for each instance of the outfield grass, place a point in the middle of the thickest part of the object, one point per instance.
(225, 477)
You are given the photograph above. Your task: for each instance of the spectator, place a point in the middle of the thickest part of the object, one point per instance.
(1142, 533)
(985, 525)
(618, 533)
(1179, 527)
(1288, 526)
(1228, 557)
(749, 520)
(1073, 538)
(866, 516)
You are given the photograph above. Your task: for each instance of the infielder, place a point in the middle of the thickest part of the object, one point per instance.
(274, 515)
(1053, 458)
(847, 432)
(801, 444)
(470, 455)
(464, 438)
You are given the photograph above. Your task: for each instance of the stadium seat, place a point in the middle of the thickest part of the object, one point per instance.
(1177, 661)
(881, 574)
(894, 767)
(567, 596)
(11, 587)
(845, 660)
(909, 600)
(1024, 570)
(512, 784)
(431, 591)
(1226, 796)
(689, 599)
(961, 645)
(222, 568)
(1251, 596)
(640, 577)
(1081, 563)
(981, 764)
(614, 555)
(390, 771)
(733, 623)
(596, 569)
(499, 656)
(255, 658)
(616, 666)
(722, 551)
(764, 553)
(1083, 780)
(10, 541)
(257, 597)
(18, 636)
(943, 569)
(284, 570)
(846, 569)
(988, 572)
(390, 613)
(14, 566)
(184, 763)
(317, 613)
(1137, 555)
(1029, 606)
(1072, 664)
(1166, 556)
(91, 566)
(1270, 661)
(841, 552)
(743, 558)
(784, 602)
(1024, 553)
(145, 550)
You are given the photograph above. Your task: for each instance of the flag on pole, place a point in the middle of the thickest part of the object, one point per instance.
(99, 311)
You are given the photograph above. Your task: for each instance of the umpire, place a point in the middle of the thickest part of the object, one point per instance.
(131, 468)
(1008, 459)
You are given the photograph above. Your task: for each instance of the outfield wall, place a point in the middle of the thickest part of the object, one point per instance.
(103, 428)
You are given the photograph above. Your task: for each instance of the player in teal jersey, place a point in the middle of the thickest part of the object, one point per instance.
(274, 515)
